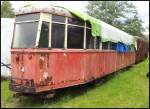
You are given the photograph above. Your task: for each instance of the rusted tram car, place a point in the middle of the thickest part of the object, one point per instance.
(52, 49)
(142, 49)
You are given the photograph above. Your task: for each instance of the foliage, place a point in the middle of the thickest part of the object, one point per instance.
(120, 14)
(6, 10)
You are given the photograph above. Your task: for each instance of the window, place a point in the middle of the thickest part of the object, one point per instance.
(105, 45)
(97, 42)
(57, 18)
(58, 31)
(132, 48)
(43, 43)
(58, 34)
(75, 37)
(112, 46)
(25, 35)
(88, 24)
(27, 17)
(75, 21)
(89, 39)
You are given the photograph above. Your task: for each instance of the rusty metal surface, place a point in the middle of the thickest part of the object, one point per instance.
(52, 69)
(50, 10)
(142, 49)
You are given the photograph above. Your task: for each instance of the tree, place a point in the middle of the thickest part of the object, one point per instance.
(120, 14)
(6, 10)
(133, 26)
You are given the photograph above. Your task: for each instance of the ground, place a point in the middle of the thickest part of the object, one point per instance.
(127, 89)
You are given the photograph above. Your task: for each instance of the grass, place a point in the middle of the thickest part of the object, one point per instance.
(127, 88)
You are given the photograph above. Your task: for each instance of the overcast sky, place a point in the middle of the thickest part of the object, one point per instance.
(142, 6)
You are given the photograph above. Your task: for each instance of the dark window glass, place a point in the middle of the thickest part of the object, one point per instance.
(43, 43)
(105, 45)
(88, 24)
(58, 34)
(112, 45)
(97, 42)
(57, 18)
(89, 39)
(75, 37)
(75, 21)
(27, 17)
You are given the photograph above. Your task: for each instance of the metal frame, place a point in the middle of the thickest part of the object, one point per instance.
(84, 38)
(100, 45)
(42, 18)
(13, 35)
(66, 32)
(38, 31)
(50, 30)
(27, 21)
(70, 24)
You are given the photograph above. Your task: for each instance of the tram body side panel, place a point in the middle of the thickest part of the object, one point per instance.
(53, 70)
(23, 65)
(66, 67)
(142, 50)
(73, 68)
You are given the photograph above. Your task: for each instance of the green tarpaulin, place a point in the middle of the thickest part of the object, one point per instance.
(102, 29)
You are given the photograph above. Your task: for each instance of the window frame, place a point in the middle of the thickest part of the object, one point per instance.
(15, 29)
(43, 17)
(66, 32)
(48, 19)
(103, 45)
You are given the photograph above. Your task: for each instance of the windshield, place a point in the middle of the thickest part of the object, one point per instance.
(25, 35)
(25, 30)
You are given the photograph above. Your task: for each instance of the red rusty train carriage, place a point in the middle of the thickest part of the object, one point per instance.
(142, 49)
(49, 51)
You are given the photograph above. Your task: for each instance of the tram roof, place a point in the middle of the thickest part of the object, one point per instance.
(99, 28)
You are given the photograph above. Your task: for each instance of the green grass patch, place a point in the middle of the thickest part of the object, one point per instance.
(127, 88)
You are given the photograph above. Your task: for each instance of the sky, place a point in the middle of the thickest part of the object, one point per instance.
(142, 6)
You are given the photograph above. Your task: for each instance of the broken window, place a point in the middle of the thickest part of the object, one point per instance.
(43, 43)
(58, 34)
(89, 39)
(75, 37)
